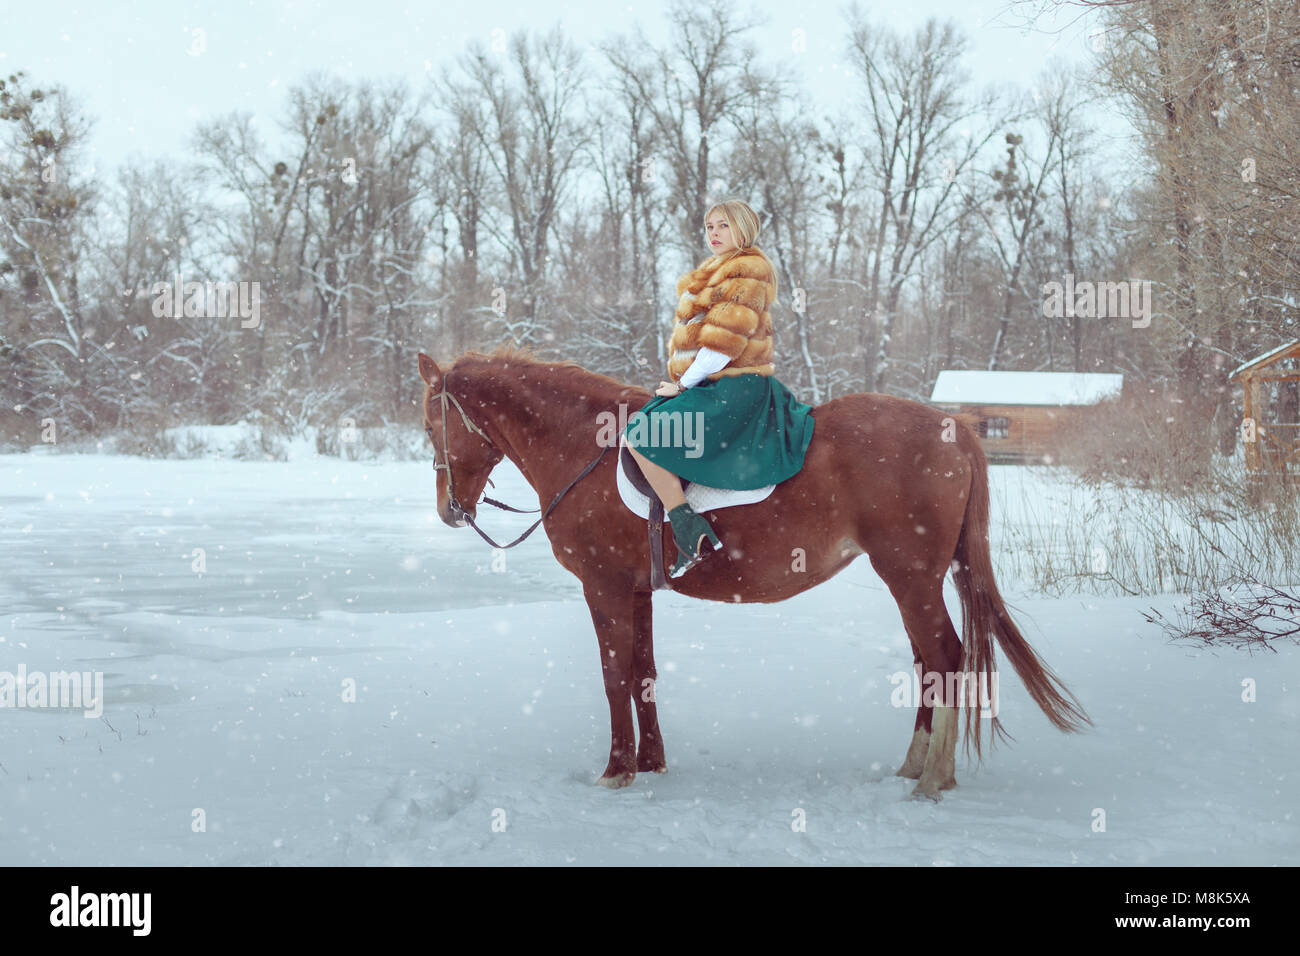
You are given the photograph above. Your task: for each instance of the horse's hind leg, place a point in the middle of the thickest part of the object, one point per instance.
(650, 749)
(940, 760)
(934, 641)
(914, 762)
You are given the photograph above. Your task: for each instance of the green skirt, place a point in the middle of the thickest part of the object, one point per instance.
(741, 431)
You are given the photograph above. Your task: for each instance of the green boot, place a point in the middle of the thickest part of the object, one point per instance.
(689, 531)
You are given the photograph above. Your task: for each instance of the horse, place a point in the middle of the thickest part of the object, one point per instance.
(894, 479)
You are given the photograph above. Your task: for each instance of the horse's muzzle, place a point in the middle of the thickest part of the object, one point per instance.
(454, 515)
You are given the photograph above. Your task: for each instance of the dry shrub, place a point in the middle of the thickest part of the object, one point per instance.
(1146, 438)
(1245, 613)
(18, 430)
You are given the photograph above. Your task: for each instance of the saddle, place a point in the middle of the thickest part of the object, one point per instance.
(630, 467)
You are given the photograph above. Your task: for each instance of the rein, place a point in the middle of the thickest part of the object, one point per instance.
(445, 396)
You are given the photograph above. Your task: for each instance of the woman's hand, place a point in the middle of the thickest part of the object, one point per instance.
(668, 388)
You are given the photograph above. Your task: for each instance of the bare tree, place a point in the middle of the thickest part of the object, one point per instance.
(690, 93)
(777, 153)
(46, 203)
(531, 139)
(917, 115)
(1021, 201)
(1060, 104)
(463, 170)
(1209, 85)
(617, 325)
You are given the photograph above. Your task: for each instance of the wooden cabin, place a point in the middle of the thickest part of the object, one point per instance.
(1270, 426)
(1018, 415)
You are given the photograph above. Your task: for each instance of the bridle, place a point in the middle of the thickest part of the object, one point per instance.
(445, 396)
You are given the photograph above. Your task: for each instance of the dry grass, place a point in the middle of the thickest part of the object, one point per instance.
(1083, 536)
(1143, 504)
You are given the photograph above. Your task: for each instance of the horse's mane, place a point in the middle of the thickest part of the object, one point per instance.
(563, 371)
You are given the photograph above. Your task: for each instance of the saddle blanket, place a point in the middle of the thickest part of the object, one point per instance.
(701, 498)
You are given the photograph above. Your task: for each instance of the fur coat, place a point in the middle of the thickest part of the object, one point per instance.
(723, 304)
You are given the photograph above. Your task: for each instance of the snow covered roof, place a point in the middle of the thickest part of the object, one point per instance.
(1025, 388)
(1262, 359)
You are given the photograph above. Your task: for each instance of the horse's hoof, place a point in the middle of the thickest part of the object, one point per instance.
(930, 791)
(651, 761)
(911, 773)
(617, 780)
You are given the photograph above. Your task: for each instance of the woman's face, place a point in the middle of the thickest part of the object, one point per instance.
(718, 234)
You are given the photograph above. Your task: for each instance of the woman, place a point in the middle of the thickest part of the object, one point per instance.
(755, 432)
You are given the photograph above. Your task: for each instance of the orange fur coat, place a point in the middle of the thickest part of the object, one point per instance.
(723, 304)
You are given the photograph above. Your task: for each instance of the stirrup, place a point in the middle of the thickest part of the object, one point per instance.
(682, 565)
(690, 531)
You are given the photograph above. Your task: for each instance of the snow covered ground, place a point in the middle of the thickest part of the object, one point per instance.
(478, 698)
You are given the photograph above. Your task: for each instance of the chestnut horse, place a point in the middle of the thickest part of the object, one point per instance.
(883, 476)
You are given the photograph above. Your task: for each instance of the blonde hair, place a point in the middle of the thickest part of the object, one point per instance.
(745, 228)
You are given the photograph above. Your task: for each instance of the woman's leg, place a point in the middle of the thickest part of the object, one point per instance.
(690, 530)
(666, 485)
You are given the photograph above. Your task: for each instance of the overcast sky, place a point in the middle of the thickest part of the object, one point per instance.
(130, 67)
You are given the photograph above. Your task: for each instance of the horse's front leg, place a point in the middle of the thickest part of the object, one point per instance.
(650, 749)
(612, 613)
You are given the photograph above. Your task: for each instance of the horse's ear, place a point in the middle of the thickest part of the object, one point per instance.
(429, 369)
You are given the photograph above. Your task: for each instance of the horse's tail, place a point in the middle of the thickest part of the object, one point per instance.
(984, 617)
